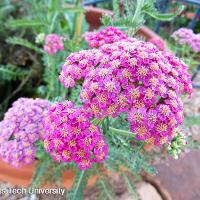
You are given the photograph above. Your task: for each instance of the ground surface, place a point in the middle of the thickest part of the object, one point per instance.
(181, 177)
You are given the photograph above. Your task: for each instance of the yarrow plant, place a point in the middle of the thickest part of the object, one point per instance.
(124, 83)
(21, 127)
(134, 78)
(70, 136)
(187, 36)
(53, 44)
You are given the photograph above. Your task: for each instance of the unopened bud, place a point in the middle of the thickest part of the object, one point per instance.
(40, 38)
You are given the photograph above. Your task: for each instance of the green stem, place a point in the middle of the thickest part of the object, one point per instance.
(51, 81)
(137, 15)
(116, 8)
(78, 20)
(121, 132)
(97, 121)
(100, 179)
(113, 130)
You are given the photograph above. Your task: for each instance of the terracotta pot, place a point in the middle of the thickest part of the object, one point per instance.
(190, 15)
(23, 176)
(93, 17)
(148, 147)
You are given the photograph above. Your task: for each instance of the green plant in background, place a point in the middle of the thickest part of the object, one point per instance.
(131, 14)
(6, 8)
(37, 17)
(49, 17)
(14, 72)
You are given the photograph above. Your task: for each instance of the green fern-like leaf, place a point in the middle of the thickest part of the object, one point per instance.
(133, 14)
(116, 8)
(105, 191)
(166, 16)
(131, 188)
(23, 42)
(18, 23)
(40, 172)
(122, 152)
(11, 72)
(79, 184)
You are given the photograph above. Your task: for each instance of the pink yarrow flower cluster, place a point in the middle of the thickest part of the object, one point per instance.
(21, 127)
(53, 44)
(187, 36)
(106, 36)
(71, 137)
(77, 65)
(138, 79)
(17, 153)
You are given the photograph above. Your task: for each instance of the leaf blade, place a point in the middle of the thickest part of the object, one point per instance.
(23, 42)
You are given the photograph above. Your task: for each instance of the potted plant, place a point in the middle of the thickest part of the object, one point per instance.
(122, 82)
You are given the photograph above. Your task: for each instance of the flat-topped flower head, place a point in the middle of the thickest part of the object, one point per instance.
(133, 77)
(79, 64)
(22, 125)
(53, 44)
(183, 35)
(25, 119)
(71, 137)
(142, 81)
(187, 36)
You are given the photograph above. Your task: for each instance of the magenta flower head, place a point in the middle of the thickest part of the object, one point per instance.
(53, 44)
(78, 64)
(138, 79)
(187, 36)
(106, 36)
(21, 127)
(71, 137)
